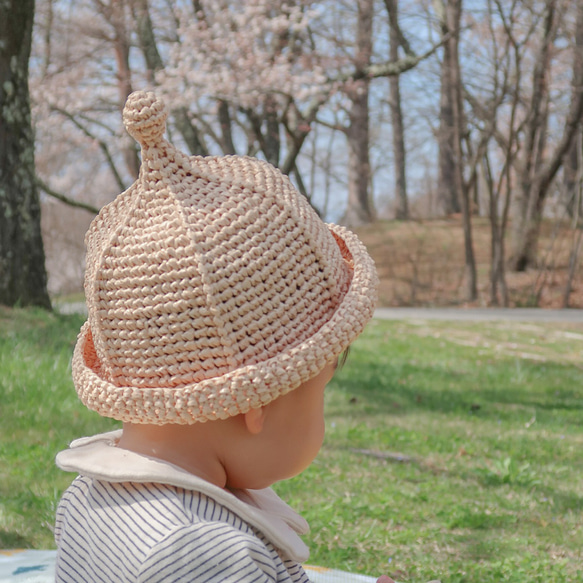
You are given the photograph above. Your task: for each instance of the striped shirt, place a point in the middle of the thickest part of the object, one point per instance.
(127, 530)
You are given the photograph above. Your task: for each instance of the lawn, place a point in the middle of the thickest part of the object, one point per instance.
(454, 451)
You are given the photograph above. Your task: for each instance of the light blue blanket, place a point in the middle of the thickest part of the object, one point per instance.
(39, 567)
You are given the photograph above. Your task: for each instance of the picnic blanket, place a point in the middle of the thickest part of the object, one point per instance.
(28, 566)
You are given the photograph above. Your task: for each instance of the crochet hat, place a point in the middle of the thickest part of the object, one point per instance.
(212, 286)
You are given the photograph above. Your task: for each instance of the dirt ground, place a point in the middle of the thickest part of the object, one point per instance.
(421, 263)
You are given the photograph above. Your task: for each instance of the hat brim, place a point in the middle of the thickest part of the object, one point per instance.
(228, 395)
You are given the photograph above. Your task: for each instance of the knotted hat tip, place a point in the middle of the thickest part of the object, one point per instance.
(144, 117)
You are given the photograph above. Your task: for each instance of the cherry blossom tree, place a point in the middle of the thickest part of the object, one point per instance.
(252, 68)
(272, 68)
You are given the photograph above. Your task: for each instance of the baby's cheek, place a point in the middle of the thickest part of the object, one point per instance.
(319, 435)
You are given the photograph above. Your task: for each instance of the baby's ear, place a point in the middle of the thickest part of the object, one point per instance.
(254, 419)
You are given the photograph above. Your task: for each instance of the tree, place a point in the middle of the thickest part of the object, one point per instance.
(454, 11)
(453, 188)
(499, 104)
(23, 279)
(396, 40)
(572, 164)
(448, 194)
(571, 174)
(504, 62)
(359, 210)
(519, 108)
(539, 164)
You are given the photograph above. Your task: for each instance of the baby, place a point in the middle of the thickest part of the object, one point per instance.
(218, 306)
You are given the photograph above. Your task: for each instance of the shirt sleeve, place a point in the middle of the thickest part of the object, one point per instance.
(211, 552)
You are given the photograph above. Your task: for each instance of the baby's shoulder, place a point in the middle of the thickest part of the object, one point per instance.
(212, 551)
(167, 533)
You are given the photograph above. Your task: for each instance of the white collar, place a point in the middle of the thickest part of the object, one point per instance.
(98, 458)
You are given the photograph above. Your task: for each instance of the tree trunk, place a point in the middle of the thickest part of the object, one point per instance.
(572, 164)
(571, 174)
(497, 276)
(402, 211)
(224, 116)
(448, 195)
(575, 247)
(454, 11)
(115, 13)
(272, 142)
(23, 278)
(360, 209)
(47, 38)
(535, 177)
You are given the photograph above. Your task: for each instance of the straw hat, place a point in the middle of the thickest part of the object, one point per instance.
(212, 286)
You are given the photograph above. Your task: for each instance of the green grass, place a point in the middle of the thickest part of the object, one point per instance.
(454, 451)
(39, 415)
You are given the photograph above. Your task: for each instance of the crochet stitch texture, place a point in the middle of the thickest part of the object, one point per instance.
(212, 286)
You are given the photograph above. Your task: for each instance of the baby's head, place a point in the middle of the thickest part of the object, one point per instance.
(213, 290)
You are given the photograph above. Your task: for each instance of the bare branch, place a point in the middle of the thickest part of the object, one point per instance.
(102, 145)
(300, 132)
(64, 198)
(394, 23)
(396, 68)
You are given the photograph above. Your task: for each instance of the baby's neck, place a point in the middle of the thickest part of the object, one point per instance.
(189, 447)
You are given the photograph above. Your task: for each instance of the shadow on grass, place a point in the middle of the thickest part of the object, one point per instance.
(379, 388)
(563, 502)
(478, 545)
